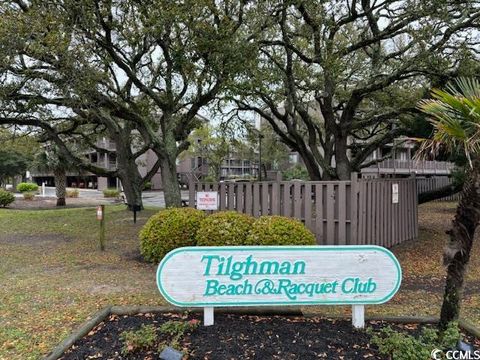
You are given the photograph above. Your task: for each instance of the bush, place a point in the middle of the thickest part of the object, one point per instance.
(224, 228)
(400, 346)
(279, 230)
(72, 193)
(167, 230)
(27, 187)
(147, 186)
(28, 195)
(141, 339)
(6, 198)
(111, 193)
(296, 172)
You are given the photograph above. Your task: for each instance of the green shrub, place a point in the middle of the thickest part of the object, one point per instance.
(147, 186)
(298, 172)
(27, 187)
(141, 339)
(167, 230)
(176, 330)
(111, 193)
(224, 228)
(6, 198)
(28, 195)
(72, 193)
(279, 230)
(400, 346)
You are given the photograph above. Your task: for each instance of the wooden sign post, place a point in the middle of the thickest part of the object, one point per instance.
(212, 277)
(101, 218)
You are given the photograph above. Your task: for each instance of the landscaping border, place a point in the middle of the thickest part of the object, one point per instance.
(104, 313)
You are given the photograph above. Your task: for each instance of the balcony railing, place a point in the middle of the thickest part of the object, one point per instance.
(411, 166)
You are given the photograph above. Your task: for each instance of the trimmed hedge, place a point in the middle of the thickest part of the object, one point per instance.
(279, 230)
(27, 187)
(6, 198)
(111, 193)
(167, 230)
(224, 228)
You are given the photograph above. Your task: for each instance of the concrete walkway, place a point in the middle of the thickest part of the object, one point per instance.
(150, 198)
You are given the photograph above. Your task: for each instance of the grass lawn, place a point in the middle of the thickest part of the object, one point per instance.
(53, 275)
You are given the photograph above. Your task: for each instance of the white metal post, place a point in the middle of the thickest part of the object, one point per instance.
(358, 316)
(43, 188)
(208, 315)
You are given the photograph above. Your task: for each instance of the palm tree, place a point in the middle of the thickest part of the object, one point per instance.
(455, 116)
(51, 160)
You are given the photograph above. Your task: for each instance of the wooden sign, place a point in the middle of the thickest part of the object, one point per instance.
(207, 200)
(278, 275)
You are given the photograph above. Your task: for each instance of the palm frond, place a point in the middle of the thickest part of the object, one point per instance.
(455, 116)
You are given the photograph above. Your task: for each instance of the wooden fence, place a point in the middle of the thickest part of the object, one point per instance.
(353, 212)
(436, 182)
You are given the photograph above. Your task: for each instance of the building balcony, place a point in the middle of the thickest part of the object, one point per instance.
(419, 167)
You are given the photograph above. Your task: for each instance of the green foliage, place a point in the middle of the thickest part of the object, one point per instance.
(111, 193)
(12, 163)
(176, 330)
(224, 228)
(401, 346)
(147, 186)
(6, 198)
(455, 117)
(279, 230)
(296, 172)
(141, 339)
(28, 195)
(72, 193)
(168, 230)
(27, 187)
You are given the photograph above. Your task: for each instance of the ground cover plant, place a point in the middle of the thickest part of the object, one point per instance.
(53, 277)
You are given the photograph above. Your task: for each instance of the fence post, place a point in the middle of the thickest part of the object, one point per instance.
(353, 208)
(191, 191)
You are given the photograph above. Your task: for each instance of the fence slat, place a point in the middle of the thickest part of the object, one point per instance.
(297, 200)
(256, 199)
(319, 213)
(308, 206)
(342, 209)
(330, 214)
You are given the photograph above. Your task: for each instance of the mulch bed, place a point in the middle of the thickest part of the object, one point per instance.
(240, 337)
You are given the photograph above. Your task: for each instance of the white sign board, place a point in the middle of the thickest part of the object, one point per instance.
(395, 193)
(279, 275)
(207, 200)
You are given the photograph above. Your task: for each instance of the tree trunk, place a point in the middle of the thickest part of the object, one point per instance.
(457, 252)
(129, 174)
(439, 193)
(171, 187)
(60, 186)
(131, 183)
(342, 162)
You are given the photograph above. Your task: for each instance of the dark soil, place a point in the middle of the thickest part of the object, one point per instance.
(238, 337)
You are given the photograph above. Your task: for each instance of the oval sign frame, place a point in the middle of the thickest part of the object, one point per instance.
(242, 249)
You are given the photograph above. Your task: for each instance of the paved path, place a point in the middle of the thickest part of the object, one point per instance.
(150, 198)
